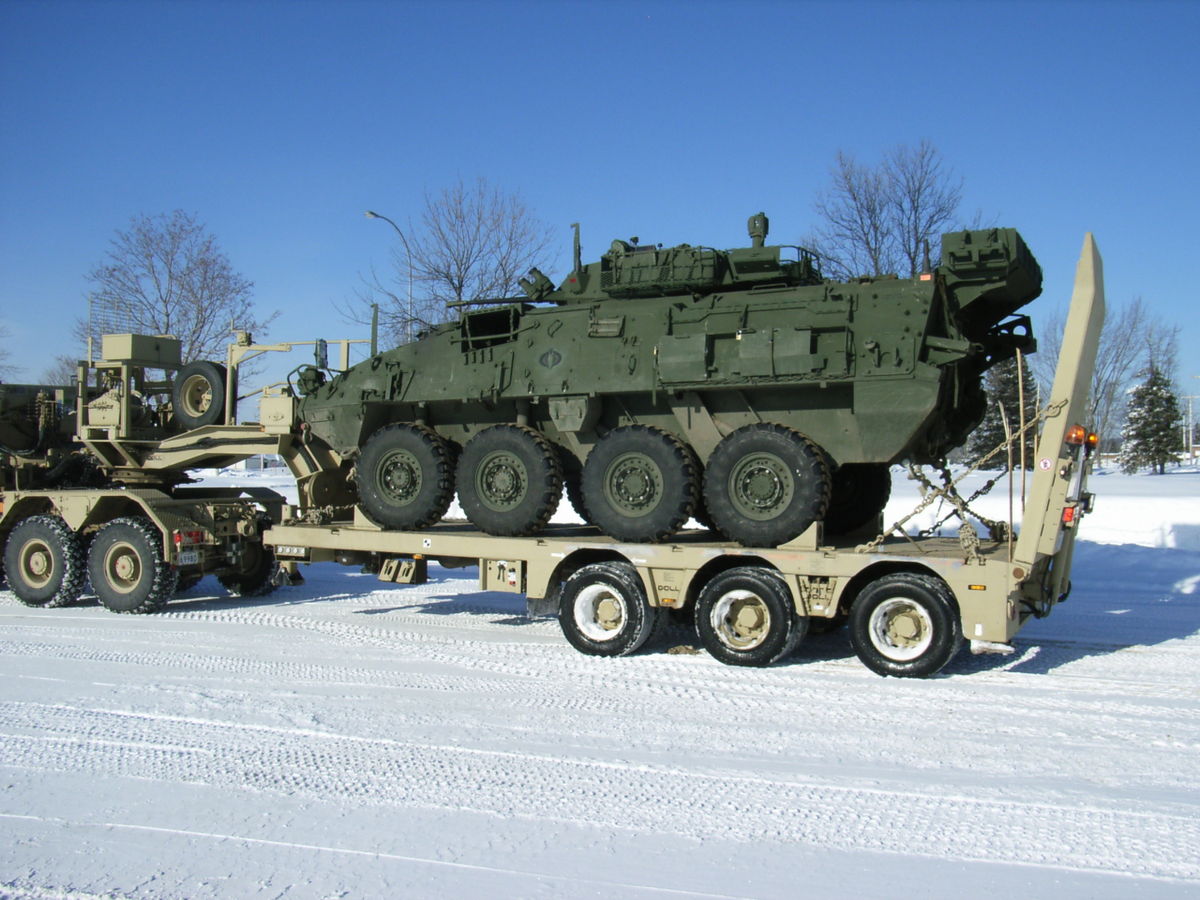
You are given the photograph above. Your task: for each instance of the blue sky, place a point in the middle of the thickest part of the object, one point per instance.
(278, 124)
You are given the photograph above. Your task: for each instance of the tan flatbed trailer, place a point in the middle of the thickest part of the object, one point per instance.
(909, 602)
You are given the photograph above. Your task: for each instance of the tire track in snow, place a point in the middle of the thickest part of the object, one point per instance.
(718, 803)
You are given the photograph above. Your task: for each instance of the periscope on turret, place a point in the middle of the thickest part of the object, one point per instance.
(657, 384)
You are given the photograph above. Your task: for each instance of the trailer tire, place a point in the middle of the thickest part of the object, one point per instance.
(198, 394)
(905, 625)
(127, 569)
(745, 617)
(257, 575)
(604, 611)
(44, 562)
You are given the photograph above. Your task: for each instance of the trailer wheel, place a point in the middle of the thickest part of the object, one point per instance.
(745, 617)
(404, 476)
(127, 569)
(257, 575)
(860, 492)
(198, 394)
(44, 562)
(604, 612)
(640, 483)
(766, 484)
(906, 625)
(509, 480)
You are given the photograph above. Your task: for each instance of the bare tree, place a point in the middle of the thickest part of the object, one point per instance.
(879, 220)
(473, 242)
(6, 370)
(923, 199)
(1133, 341)
(166, 274)
(62, 371)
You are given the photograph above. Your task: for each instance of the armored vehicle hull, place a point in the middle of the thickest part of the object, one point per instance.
(658, 384)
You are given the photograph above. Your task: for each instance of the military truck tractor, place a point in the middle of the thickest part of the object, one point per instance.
(661, 383)
(93, 481)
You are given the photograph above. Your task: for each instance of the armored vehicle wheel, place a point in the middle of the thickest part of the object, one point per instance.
(256, 576)
(640, 483)
(766, 484)
(127, 568)
(572, 470)
(198, 394)
(44, 563)
(509, 480)
(404, 477)
(745, 617)
(860, 492)
(905, 625)
(603, 611)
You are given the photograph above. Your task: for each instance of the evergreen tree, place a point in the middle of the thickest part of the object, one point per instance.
(1151, 436)
(1002, 386)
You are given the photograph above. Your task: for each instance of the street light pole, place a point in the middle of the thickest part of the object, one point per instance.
(408, 321)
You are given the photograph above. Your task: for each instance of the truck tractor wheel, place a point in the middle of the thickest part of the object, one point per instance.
(640, 483)
(198, 394)
(905, 625)
(745, 617)
(127, 568)
(572, 470)
(404, 476)
(766, 484)
(44, 562)
(860, 492)
(603, 611)
(509, 480)
(256, 577)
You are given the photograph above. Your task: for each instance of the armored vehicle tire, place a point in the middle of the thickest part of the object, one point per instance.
(198, 394)
(745, 617)
(44, 562)
(509, 480)
(572, 470)
(404, 476)
(127, 569)
(766, 484)
(860, 492)
(257, 575)
(604, 612)
(640, 483)
(905, 624)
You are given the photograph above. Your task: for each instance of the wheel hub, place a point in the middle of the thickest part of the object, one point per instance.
(400, 476)
(599, 613)
(196, 395)
(761, 486)
(37, 563)
(502, 481)
(741, 620)
(123, 567)
(634, 484)
(900, 629)
(608, 614)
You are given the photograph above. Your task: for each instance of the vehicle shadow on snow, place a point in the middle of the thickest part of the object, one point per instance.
(1122, 596)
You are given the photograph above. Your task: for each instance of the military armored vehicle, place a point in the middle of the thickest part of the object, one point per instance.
(660, 383)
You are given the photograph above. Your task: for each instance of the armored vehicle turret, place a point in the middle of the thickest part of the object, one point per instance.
(661, 383)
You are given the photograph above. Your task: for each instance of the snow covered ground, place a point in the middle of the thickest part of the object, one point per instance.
(347, 739)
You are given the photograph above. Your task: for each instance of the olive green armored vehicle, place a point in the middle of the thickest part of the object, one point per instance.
(661, 383)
